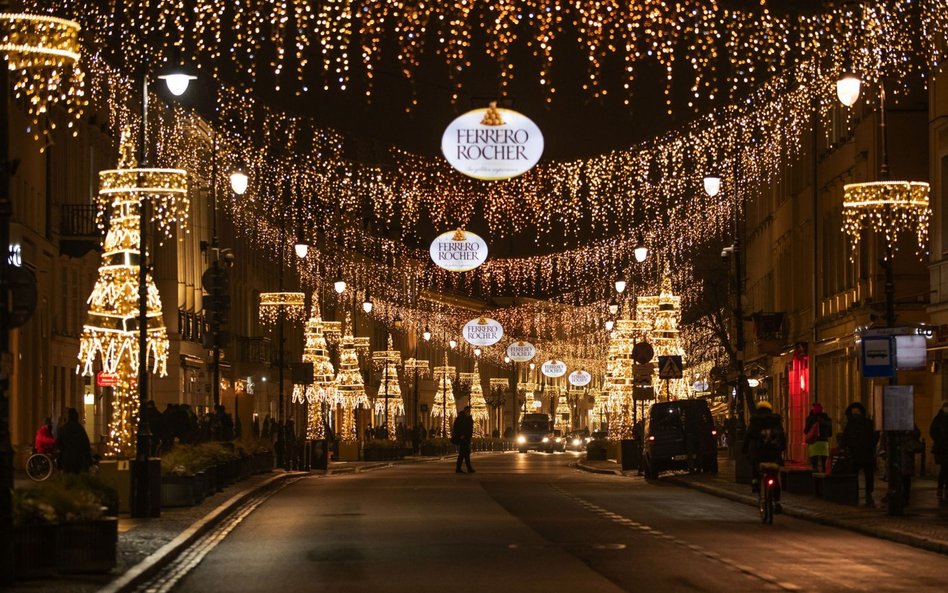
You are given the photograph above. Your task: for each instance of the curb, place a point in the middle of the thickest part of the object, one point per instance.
(161, 557)
(597, 470)
(915, 541)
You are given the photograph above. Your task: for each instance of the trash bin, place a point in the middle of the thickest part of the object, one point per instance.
(631, 454)
(319, 454)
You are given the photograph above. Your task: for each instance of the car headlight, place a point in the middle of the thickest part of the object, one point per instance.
(559, 439)
(577, 442)
(588, 439)
(521, 439)
(546, 439)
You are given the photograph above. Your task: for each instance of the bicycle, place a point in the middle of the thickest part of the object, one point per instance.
(39, 467)
(767, 493)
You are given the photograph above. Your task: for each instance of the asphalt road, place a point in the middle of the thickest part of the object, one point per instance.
(526, 523)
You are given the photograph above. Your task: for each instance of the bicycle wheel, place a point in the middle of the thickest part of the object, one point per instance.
(768, 514)
(39, 467)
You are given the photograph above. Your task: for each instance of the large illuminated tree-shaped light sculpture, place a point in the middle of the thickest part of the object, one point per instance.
(662, 314)
(387, 361)
(620, 378)
(443, 409)
(477, 402)
(110, 334)
(350, 388)
(323, 388)
(530, 404)
(563, 414)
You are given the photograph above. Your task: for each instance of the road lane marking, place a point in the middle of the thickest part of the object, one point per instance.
(748, 571)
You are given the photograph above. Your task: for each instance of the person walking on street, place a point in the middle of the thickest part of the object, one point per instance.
(75, 453)
(45, 442)
(859, 439)
(461, 434)
(817, 432)
(939, 434)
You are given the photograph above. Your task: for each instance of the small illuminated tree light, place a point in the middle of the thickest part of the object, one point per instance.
(239, 182)
(847, 88)
(712, 185)
(640, 251)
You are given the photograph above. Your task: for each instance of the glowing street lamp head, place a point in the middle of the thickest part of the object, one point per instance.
(426, 334)
(477, 352)
(367, 303)
(610, 324)
(847, 88)
(507, 359)
(301, 248)
(239, 182)
(712, 185)
(177, 81)
(620, 284)
(339, 285)
(613, 307)
(453, 343)
(641, 250)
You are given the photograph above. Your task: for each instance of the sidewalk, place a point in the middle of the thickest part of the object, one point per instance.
(924, 525)
(141, 541)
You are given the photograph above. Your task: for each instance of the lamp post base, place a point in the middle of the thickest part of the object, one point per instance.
(146, 487)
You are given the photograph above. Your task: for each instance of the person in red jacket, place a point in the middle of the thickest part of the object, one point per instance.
(45, 441)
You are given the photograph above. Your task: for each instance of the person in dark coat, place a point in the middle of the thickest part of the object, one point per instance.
(461, 434)
(817, 449)
(859, 440)
(75, 453)
(155, 425)
(764, 442)
(939, 435)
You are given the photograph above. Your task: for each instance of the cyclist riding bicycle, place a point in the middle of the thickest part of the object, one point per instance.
(765, 442)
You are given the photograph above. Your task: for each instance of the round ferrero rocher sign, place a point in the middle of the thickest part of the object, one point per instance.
(458, 251)
(553, 368)
(492, 143)
(579, 378)
(521, 351)
(483, 331)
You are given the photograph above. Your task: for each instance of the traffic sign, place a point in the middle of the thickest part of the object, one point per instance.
(103, 379)
(642, 373)
(669, 367)
(642, 352)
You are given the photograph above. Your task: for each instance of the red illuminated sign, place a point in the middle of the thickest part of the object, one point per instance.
(103, 379)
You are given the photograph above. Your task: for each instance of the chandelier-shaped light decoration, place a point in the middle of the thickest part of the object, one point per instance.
(350, 388)
(292, 305)
(888, 208)
(527, 388)
(388, 361)
(42, 53)
(413, 365)
(110, 334)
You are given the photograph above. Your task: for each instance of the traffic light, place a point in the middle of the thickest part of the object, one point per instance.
(216, 281)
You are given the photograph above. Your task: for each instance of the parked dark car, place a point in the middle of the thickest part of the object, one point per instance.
(680, 435)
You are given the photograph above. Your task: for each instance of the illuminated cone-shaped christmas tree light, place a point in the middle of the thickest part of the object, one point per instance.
(443, 409)
(562, 415)
(388, 361)
(322, 391)
(620, 382)
(111, 332)
(478, 403)
(529, 401)
(663, 314)
(350, 389)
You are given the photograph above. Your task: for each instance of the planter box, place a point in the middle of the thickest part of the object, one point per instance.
(348, 451)
(379, 454)
(33, 550)
(87, 547)
(181, 491)
(263, 462)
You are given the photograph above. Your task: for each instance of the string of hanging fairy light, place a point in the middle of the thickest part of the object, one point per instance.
(310, 43)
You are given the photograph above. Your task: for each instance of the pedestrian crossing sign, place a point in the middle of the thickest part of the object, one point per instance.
(669, 367)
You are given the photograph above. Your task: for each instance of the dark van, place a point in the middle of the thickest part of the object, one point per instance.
(680, 435)
(536, 432)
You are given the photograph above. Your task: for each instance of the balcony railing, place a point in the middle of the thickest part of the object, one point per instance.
(254, 349)
(190, 325)
(78, 221)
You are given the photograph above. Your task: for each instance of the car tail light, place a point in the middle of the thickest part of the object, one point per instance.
(651, 438)
(770, 482)
(714, 433)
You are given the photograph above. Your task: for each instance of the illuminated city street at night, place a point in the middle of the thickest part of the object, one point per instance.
(473, 295)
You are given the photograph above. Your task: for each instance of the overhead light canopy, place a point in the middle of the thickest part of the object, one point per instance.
(712, 185)
(239, 182)
(847, 88)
